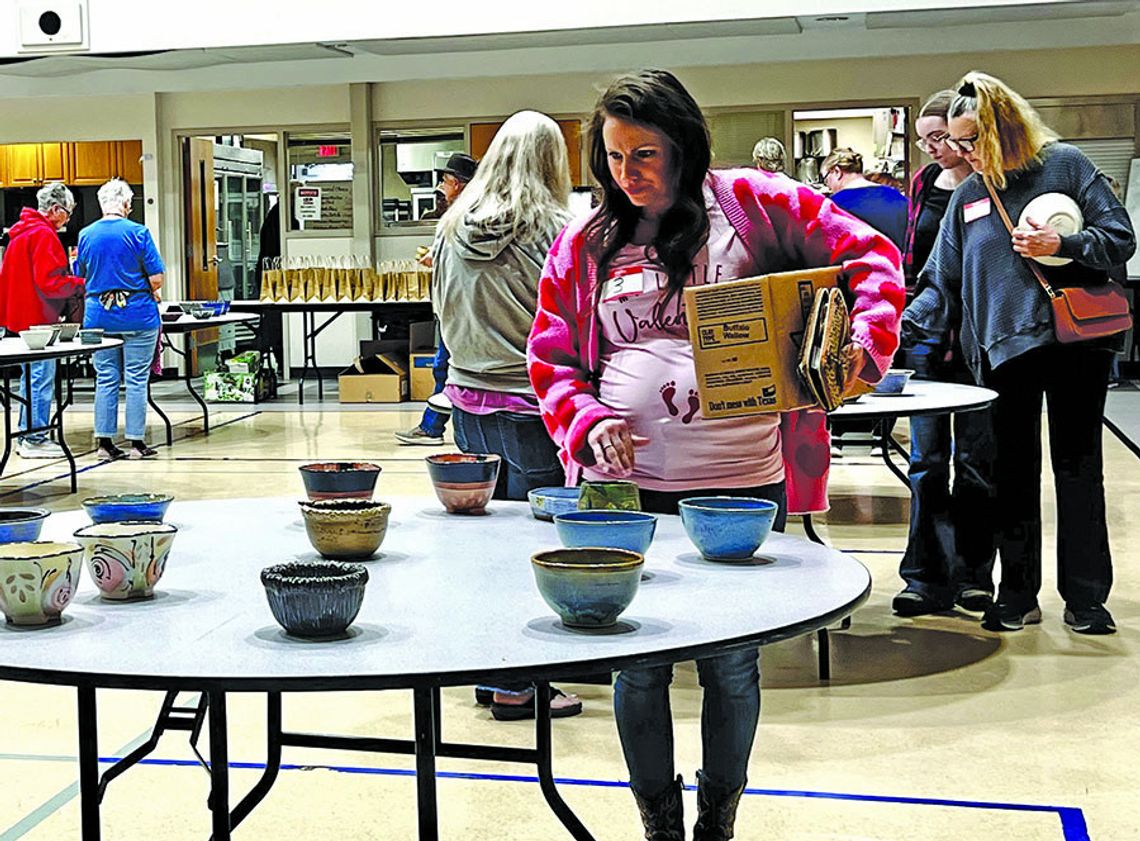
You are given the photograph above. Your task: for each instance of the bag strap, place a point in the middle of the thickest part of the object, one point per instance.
(1052, 293)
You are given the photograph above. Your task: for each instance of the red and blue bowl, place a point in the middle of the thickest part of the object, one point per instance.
(464, 482)
(340, 479)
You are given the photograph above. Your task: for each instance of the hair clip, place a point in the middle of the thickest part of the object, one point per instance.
(968, 89)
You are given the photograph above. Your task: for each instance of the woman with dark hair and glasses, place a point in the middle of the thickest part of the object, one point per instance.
(978, 282)
(950, 547)
(612, 366)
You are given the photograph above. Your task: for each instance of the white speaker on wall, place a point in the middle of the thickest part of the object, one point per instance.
(48, 26)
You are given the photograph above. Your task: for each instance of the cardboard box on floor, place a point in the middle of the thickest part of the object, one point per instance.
(746, 337)
(387, 377)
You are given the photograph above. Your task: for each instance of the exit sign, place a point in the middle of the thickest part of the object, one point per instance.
(328, 151)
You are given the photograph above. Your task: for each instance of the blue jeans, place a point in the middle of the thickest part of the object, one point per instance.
(730, 708)
(129, 363)
(530, 458)
(952, 539)
(433, 423)
(43, 383)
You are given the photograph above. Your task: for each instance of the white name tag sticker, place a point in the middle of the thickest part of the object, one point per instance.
(620, 285)
(976, 209)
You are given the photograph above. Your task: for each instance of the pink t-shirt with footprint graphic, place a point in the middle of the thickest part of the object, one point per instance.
(647, 375)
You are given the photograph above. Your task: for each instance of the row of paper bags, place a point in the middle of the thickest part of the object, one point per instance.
(395, 280)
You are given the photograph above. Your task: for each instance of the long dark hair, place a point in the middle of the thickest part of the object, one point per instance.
(653, 98)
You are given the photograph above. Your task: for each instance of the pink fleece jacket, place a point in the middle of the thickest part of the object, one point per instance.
(786, 225)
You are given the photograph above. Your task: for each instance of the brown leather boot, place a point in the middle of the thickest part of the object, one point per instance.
(663, 816)
(716, 811)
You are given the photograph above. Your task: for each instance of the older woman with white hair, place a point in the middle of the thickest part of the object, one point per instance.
(124, 274)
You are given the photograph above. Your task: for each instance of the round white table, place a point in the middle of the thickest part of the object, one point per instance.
(184, 326)
(451, 600)
(15, 353)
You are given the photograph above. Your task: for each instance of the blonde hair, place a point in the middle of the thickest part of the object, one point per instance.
(844, 159)
(523, 182)
(769, 154)
(1011, 135)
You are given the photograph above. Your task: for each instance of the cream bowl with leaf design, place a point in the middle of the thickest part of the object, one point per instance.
(37, 580)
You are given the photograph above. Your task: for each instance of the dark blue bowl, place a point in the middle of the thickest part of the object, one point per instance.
(630, 530)
(339, 479)
(318, 599)
(727, 528)
(463, 468)
(587, 588)
(118, 507)
(21, 525)
(546, 502)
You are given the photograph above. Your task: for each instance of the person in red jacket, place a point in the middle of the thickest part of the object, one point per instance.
(35, 283)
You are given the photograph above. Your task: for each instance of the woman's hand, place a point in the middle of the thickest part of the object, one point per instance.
(854, 361)
(613, 445)
(1037, 240)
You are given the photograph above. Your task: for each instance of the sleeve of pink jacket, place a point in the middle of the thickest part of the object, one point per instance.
(558, 363)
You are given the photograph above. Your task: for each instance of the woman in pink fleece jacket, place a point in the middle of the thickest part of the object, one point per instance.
(610, 361)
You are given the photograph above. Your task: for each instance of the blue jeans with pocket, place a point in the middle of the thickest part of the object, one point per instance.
(39, 401)
(130, 364)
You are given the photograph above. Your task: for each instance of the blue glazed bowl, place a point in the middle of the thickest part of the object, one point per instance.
(21, 525)
(587, 588)
(118, 507)
(630, 530)
(894, 381)
(727, 528)
(317, 599)
(546, 502)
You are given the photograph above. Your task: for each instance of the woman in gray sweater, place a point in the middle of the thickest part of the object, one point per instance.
(981, 285)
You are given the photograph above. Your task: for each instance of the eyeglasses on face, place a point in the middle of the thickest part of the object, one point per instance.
(962, 144)
(927, 144)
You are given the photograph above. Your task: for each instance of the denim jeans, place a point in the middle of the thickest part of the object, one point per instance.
(952, 540)
(43, 384)
(129, 363)
(433, 423)
(530, 458)
(730, 708)
(1073, 379)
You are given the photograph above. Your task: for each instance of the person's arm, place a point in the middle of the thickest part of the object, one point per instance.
(937, 309)
(49, 267)
(156, 281)
(152, 264)
(556, 363)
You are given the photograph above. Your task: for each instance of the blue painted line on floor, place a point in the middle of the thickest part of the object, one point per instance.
(1072, 819)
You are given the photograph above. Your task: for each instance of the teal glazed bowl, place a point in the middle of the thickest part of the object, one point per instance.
(727, 528)
(547, 502)
(629, 530)
(587, 588)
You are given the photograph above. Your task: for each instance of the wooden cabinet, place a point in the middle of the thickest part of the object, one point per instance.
(482, 134)
(82, 164)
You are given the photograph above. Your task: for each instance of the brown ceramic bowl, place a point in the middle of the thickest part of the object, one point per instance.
(346, 529)
(464, 482)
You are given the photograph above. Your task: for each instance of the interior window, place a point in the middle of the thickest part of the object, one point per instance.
(411, 162)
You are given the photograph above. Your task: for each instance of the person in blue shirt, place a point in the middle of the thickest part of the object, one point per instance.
(124, 275)
(883, 208)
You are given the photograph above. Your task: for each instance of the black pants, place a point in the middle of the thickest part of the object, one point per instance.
(665, 502)
(1074, 381)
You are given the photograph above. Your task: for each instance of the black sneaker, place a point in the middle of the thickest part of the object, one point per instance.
(914, 603)
(1002, 616)
(974, 600)
(1093, 620)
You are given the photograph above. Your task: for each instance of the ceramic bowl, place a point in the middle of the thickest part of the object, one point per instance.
(36, 339)
(546, 502)
(894, 381)
(727, 528)
(54, 329)
(37, 580)
(126, 559)
(170, 317)
(91, 336)
(620, 494)
(346, 529)
(340, 479)
(68, 330)
(630, 530)
(464, 482)
(587, 588)
(318, 599)
(118, 507)
(20, 525)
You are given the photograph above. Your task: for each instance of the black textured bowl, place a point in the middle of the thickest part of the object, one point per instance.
(317, 599)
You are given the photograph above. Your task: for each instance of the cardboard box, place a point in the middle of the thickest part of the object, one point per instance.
(375, 388)
(746, 337)
(422, 378)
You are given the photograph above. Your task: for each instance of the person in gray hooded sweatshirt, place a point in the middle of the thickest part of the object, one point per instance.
(487, 259)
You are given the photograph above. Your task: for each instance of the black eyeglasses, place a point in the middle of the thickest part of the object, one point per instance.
(962, 144)
(927, 144)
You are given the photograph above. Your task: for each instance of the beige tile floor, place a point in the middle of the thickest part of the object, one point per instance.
(933, 709)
